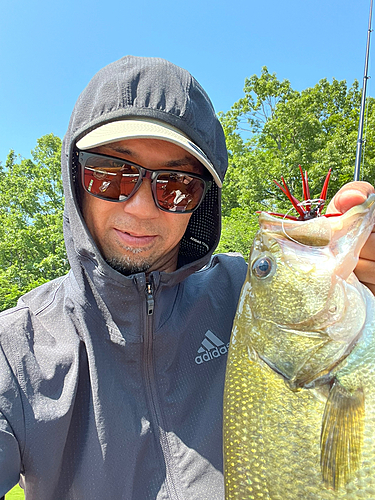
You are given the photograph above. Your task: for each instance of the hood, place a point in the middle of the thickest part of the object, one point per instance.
(135, 87)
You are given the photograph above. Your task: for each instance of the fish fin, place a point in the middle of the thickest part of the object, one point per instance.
(342, 435)
(273, 367)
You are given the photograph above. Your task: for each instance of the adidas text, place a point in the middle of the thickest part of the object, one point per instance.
(216, 352)
(212, 347)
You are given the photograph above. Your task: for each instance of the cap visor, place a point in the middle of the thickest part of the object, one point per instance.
(145, 129)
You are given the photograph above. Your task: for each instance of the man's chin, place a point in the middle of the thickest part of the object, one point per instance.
(127, 266)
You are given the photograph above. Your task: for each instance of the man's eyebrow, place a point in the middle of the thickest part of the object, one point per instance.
(183, 162)
(120, 149)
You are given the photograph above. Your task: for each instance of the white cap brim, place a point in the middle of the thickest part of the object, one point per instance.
(145, 129)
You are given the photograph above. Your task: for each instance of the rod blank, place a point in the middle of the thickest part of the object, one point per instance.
(358, 153)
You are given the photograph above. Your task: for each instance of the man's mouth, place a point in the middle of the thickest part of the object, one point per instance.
(135, 240)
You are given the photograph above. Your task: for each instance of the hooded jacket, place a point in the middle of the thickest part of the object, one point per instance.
(111, 387)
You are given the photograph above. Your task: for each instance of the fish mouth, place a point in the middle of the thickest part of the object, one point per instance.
(342, 236)
(321, 231)
(312, 233)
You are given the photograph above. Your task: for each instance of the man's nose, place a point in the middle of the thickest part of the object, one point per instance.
(142, 204)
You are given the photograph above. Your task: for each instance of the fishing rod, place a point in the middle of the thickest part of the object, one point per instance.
(363, 100)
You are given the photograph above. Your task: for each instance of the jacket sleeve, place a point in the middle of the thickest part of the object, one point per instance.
(10, 461)
(11, 426)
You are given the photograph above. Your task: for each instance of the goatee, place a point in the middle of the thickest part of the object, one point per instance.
(126, 267)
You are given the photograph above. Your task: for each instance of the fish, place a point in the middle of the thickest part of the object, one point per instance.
(299, 397)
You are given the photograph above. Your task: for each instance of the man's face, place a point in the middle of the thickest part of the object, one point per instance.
(135, 235)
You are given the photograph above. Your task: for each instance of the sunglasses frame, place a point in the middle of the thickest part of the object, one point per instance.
(144, 173)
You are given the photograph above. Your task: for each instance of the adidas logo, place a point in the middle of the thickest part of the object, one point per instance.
(212, 347)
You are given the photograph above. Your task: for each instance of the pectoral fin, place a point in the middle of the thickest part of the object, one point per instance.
(342, 435)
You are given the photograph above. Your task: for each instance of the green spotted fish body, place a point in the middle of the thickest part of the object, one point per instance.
(299, 403)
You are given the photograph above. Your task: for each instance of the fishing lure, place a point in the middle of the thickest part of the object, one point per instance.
(309, 208)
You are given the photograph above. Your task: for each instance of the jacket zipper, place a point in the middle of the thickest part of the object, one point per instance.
(149, 299)
(152, 392)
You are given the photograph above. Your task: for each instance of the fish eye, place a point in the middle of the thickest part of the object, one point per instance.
(262, 267)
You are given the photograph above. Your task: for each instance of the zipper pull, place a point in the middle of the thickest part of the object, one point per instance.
(149, 299)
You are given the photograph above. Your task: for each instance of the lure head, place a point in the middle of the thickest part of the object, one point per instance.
(308, 209)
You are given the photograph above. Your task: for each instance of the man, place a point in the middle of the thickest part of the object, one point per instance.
(111, 378)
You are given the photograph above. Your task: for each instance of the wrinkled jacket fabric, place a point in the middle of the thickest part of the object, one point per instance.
(111, 387)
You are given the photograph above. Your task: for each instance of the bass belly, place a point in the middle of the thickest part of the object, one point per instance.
(272, 435)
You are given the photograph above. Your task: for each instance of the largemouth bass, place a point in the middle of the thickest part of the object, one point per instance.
(299, 403)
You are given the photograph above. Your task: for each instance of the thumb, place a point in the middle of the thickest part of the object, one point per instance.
(353, 193)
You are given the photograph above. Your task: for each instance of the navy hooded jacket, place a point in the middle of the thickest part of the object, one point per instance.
(107, 390)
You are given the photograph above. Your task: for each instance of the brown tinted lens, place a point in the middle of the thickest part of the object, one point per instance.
(178, 192)
(109, 179)
(129, 179)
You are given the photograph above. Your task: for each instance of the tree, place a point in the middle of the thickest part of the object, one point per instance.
(273, 129)
(269, 132)
(31, 206)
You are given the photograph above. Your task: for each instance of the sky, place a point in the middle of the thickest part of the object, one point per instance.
(50, 50)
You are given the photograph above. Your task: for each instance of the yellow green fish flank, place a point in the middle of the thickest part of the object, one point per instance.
(299, 402)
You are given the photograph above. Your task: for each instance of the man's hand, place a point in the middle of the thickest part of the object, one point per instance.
(350, 195)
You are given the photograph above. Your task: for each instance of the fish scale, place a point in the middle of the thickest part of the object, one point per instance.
(282, 376)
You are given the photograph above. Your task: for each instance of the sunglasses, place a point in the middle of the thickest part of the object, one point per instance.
(113, 179)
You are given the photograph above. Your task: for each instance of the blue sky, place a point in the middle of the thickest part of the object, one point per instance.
(50, 50)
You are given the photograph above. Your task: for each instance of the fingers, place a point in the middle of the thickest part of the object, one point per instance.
(365, 269)
(368, 249)
(365, 272)
(353, 193)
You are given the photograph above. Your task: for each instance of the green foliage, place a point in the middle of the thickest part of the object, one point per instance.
(269, 132)
(31, 205)
(238, 230)
(272, 130)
